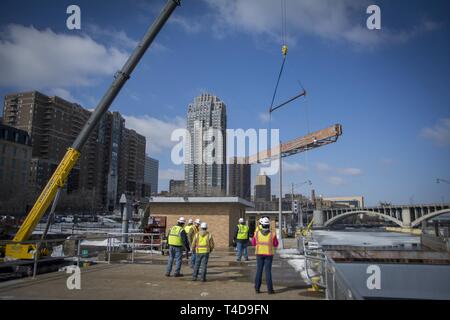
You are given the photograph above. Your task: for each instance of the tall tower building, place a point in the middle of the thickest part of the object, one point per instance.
(151, 175)
(206, 170)
(239, 179)
(262, 188)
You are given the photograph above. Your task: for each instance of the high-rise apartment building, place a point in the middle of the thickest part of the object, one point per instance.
(15, 161)
(132, 164)
(262, 188)
(239, 179)
(177, 187)
(206, 170)
(53, 124)
(151, 175)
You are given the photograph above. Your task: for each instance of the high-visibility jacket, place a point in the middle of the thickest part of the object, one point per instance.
(175, 236)
(264, 243)
(188, 228)
(202, 243)
(242, 233)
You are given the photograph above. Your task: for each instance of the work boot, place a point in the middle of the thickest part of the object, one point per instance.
(257, 291)
(271, 292)
(178, 275)
(194, 279)
(167, 274)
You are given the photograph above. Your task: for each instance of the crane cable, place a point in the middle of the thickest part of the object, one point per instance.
(284, 50)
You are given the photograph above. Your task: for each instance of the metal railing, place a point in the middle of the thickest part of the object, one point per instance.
(80, 249)
(327, 275)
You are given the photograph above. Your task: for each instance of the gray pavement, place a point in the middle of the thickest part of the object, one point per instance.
(227, 279)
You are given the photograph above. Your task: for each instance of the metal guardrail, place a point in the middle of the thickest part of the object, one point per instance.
(328, 277)
(72, 249)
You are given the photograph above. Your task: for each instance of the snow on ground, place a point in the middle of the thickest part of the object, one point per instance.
(101, 243)
(287, 251)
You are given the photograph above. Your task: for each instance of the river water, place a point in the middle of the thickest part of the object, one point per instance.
(366, 238)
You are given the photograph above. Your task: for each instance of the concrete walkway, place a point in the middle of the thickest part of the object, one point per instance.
(227, 279)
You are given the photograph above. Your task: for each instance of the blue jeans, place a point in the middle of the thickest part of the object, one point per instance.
(201, 259)
(263, 262)
(193, 257)
(241, 246)
(177, 254)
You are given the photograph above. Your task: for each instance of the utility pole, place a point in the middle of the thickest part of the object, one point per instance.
(280, 206)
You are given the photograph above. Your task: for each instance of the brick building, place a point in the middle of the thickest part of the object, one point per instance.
(111, 161)
(221, 213)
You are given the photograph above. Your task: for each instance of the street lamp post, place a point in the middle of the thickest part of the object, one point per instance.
(300, 212)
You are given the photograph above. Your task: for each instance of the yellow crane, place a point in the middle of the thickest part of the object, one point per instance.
(18, 250)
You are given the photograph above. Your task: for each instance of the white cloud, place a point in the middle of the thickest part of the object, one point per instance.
(31, 58)
(350, 171)
(167, 174)
(63, 93)
(343, 20)
(264, 117)
(439, 133)
(118, 38)
(294, 167)
(322, 167)
(156, 131)
(188, 25)
(337, 181)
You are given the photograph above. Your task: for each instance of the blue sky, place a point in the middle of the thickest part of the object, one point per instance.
(388, 88)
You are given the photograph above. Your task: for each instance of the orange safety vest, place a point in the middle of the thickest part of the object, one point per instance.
(264, 243)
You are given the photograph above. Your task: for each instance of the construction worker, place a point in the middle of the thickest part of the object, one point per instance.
(265, 241)
(196, 230)
(189, 229)
(241, 236)
(203, 245)
(177, 239)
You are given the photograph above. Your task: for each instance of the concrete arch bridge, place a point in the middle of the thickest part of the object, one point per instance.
(405, 216)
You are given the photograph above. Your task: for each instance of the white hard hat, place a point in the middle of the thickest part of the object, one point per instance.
(265, 221)
(190, 221)
(181, 220)
(241, 220)
(197, 221)
(260, 220)
(204, 225)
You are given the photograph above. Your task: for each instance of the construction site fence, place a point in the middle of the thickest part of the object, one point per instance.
(81, 249)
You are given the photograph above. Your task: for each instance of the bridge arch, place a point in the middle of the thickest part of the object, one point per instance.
(351, 213)
(428, 216)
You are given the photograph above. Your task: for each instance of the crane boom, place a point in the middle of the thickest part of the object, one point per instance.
(59, 177)
(302, 144)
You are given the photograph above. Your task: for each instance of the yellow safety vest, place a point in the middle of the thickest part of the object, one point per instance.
(202, 243)
(242, 232)
(175, 236)
(264, 243)
(188, 228)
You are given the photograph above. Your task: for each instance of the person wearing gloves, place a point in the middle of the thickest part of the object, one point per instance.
(202, 245)
(265, 241)
(241, 236)
(177, 239)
